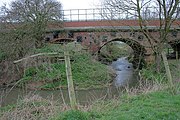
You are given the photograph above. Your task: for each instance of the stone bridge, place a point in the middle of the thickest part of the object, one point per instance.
(96, 34)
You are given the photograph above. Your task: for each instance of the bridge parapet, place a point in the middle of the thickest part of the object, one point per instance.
(96, 14)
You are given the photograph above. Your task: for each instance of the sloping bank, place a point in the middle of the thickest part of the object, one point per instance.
(86, 71)
(159, 105)
(156, 105)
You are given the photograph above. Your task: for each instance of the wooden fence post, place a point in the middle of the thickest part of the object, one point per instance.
(71, 91)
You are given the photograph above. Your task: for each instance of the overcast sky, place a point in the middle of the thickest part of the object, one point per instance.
(70, 4)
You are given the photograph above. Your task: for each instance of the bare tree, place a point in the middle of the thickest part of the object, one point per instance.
(34, 14)
(166, 11)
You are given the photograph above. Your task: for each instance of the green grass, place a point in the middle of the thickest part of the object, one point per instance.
(86, 71)
(72, 115)
(48, 73)
(6, 108)
(150, 74)
(48, 48)
(2, 55)
(89, 72)
(154, 105)
(160, 105)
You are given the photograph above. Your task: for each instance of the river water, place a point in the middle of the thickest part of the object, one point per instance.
(125, 73)
(125, 76)
(12, 95)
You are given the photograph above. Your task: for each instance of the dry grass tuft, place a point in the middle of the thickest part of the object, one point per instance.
(145, 87)
(32, 107)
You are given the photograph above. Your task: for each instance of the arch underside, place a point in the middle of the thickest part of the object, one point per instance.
(139, 51)
(175, 44)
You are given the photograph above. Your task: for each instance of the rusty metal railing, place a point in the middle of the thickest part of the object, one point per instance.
(109, 14)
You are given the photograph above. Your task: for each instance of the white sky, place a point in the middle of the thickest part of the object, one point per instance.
(78, 4)
(70, 4)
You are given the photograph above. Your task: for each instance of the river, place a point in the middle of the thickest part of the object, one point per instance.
(12, 95)
(125, 73)
(125, 76)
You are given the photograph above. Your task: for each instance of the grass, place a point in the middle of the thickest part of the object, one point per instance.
(31, 107)
(72, 115)
(86, 71)
(152, 106)
(152, 102)
(148, 101)
(150, 74)
(2, 55)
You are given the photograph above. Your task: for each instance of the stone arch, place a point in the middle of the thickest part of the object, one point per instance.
(139, 51)
(175, 44)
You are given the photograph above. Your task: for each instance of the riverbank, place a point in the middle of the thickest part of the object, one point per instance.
(48, 72)
(145, 102)
(151, 99)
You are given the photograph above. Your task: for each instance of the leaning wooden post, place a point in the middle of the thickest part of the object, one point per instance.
(71, 91)
(168, 72)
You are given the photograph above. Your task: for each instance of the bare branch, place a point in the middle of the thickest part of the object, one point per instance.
(35, 55)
